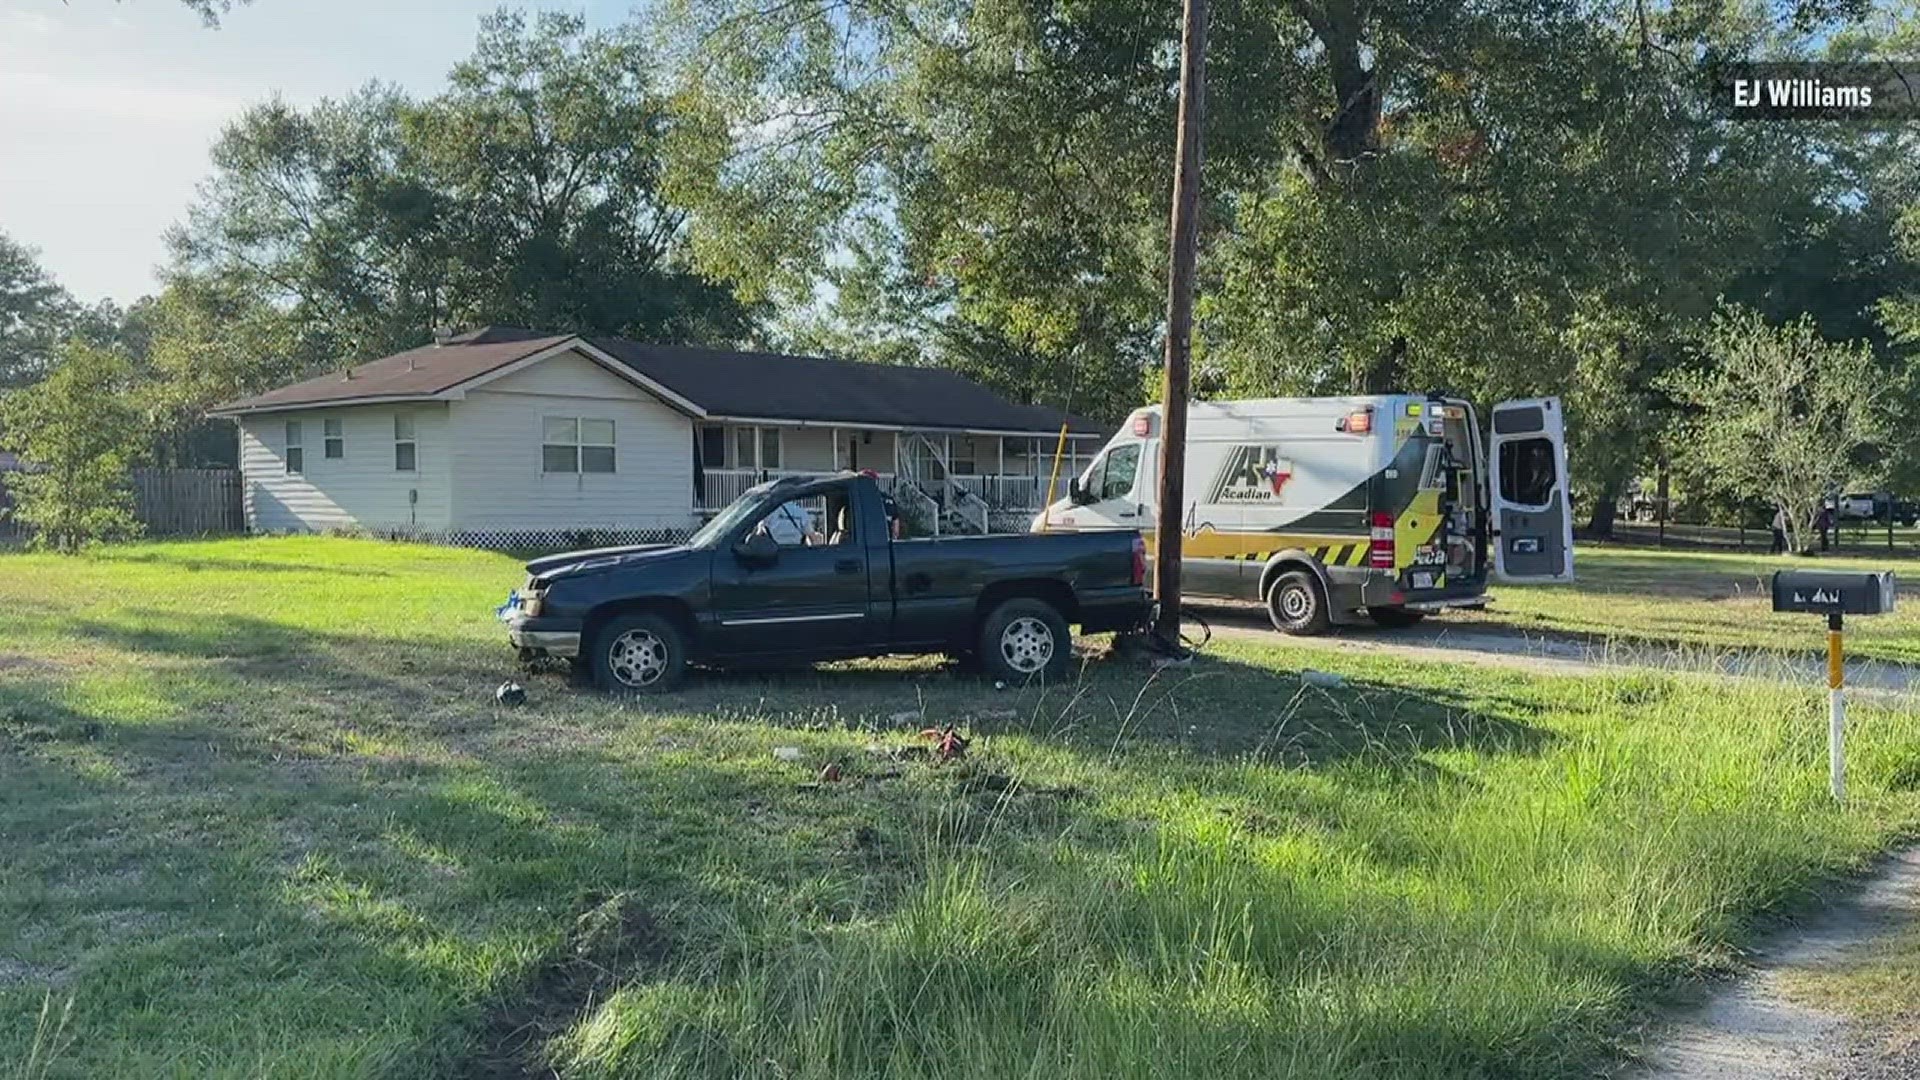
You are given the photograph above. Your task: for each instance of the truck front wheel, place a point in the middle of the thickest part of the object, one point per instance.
(639, 654)
(1023, 639)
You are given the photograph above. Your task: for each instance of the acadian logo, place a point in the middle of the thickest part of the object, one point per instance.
(1252, 474)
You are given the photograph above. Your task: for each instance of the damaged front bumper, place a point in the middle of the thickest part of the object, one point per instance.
(534, 635)
(545, 642)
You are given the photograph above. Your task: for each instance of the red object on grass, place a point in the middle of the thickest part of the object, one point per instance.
(947, 743)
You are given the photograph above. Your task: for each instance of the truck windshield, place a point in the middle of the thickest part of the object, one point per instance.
(746, 506)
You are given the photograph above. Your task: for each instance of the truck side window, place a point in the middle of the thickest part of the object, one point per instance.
(839, 518)
(790, 524)
(1116, 482)
(1526, 472)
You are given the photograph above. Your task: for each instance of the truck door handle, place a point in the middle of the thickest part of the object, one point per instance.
(847, 566)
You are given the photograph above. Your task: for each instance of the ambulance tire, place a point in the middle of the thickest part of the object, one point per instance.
(1394, 618)
(1297, 604)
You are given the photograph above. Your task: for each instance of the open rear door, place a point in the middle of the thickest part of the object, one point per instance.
(1532, 512)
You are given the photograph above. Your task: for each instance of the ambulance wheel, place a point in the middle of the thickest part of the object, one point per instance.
(1395, 618)
(1297, 604)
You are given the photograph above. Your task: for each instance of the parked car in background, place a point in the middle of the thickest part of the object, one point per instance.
(751, 586)
(1876, 506)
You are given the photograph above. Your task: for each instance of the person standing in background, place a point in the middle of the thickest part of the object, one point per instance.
(1779, 531)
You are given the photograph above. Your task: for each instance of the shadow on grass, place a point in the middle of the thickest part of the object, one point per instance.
(203, 563)
(341, 840)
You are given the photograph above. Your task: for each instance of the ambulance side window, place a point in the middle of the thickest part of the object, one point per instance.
(1116, 482)
(1526, 472)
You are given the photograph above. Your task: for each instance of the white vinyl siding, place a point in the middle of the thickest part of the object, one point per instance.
(807, 448)
(499, 468)
(358, 488)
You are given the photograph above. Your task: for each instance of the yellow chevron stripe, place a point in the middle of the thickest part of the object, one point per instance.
(1254, 545)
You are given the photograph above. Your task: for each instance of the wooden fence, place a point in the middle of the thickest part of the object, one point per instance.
(184, 502)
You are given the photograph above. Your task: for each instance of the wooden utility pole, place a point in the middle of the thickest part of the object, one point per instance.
(1186, 229)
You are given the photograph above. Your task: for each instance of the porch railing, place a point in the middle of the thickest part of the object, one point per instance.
(721, 486)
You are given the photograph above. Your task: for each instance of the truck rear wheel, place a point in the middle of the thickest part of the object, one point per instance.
(639, 654)
(1296, 604)
(1024, 639)
(1395, 618)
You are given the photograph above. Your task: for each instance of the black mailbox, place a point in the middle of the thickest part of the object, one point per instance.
(1833, 592)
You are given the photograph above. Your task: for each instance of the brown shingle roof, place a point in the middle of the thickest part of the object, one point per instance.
(416, 373)
(723, 383)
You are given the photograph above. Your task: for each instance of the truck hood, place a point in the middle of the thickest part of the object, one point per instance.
(568, 563)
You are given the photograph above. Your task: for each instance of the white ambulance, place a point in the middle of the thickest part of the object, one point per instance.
(1334, 510)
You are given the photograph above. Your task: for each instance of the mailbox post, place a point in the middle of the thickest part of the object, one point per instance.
(1835, 594)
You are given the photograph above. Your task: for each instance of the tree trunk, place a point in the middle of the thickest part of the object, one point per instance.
(1383, 374)
(1605, 507)
(1660, 497)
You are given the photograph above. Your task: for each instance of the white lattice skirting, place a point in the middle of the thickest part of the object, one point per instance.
(535, 539)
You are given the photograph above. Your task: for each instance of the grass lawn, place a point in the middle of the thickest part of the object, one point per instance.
(260, 817)
(1715, 600)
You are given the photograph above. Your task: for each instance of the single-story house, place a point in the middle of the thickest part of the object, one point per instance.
(509, 436)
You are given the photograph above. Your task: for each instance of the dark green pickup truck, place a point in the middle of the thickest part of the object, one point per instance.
(752, 586)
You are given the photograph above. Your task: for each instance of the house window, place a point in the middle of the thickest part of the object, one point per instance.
(405, 453)
(713, 447)
(756, 448)
(960, 459)
(295, 456)
(335, 441)
(576, 445)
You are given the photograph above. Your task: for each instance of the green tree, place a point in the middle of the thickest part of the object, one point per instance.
(210, 11)
(527, 193)
(78, 430)
(211, 340)
(1781, 415)
(35, 315)
(1437, 195)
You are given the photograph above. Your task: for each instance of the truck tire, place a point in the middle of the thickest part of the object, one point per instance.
(1023, 639)
(1394, 618)
(1297, 604)
(639, 654)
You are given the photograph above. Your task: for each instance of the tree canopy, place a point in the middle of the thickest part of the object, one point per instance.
(1492, 199)
(526, 194)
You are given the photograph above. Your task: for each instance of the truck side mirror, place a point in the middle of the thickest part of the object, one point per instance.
(757, 549)
(1076, 494)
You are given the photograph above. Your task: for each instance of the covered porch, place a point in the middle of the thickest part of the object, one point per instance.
(944, 481)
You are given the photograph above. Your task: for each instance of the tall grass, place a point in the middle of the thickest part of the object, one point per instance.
(263, 818)
(1451, 913)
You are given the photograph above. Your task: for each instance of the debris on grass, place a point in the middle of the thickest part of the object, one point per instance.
(831, 774)
(1326, 680)
(792, 755)
(511, 694)
(948, 744)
